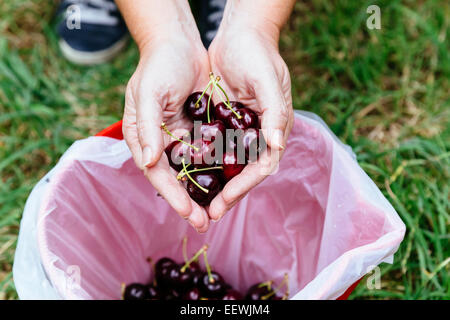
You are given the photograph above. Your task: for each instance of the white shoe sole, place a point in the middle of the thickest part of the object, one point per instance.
(90, 58)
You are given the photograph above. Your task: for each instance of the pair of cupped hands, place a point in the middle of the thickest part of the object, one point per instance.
(171, 67)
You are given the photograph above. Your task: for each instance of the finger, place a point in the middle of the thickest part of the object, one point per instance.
(148, 124)
(129, 131)
(239, 186)
(289, 125)
(275, 113)
(171, 189)
(219, 207)
(199, 213)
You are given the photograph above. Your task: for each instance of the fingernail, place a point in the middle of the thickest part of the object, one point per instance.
(278, 138)
(195, 222)
(146, 156)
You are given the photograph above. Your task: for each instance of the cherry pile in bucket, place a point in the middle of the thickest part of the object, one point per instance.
(225, 138)
(189, 281)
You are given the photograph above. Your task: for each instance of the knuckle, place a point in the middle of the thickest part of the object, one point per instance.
(215, 215)
(183, 208)
(183, 212)
(129, 93)
(228, 197)
(283, 117)
(142, 127)
(127, 131)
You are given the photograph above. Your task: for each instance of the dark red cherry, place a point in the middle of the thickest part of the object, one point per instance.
(205, 156)
(222, 112)
(232, 294)
(199, 111)
(135, 291)
(207, 180)
(162, 269)
(196, 277)
(192, 294)
(153, 292)
(253, 143)
(185, 279)
(194, 266)
(196, 273)
(175, 151)
(249, 119)
(233, 141)
(172, 294)
(257, 292)
(209, 137)
(212, 289)
(163, 263)
(173, 276)
(232, 165)
(209, 131)
(189, 278)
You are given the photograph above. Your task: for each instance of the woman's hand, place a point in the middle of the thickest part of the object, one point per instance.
(245, 55)
(172, 65)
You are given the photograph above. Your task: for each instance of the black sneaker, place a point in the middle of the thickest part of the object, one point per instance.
(91, 31)
(208, 14)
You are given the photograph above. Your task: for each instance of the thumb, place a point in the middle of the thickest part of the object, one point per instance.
(148, 125)
(275, 114)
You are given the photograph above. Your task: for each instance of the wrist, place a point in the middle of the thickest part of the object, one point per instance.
(155, 21)
(172, 34)
(252, 16)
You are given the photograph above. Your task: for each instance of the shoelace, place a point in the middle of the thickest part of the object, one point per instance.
(99, 12)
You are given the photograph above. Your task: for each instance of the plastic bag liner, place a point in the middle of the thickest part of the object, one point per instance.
(93, 220)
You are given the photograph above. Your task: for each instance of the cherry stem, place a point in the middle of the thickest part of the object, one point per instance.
(185, 257)
(150, 260)
(203, 93)
(285, 281)
(183, 173)
(267, 284)
(208, 267)
(164, 127)
(122, 290)
(286, 294)
(227, 103)
(207, 108)
(193, 181)
(196, 255)
(211, 82)
(221, 89)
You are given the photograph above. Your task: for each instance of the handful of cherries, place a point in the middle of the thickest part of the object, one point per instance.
(188, 281)
(225, 138)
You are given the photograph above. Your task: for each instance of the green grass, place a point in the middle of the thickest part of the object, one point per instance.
(384, 92)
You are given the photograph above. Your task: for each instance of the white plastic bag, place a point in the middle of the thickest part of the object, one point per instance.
(92, 221)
